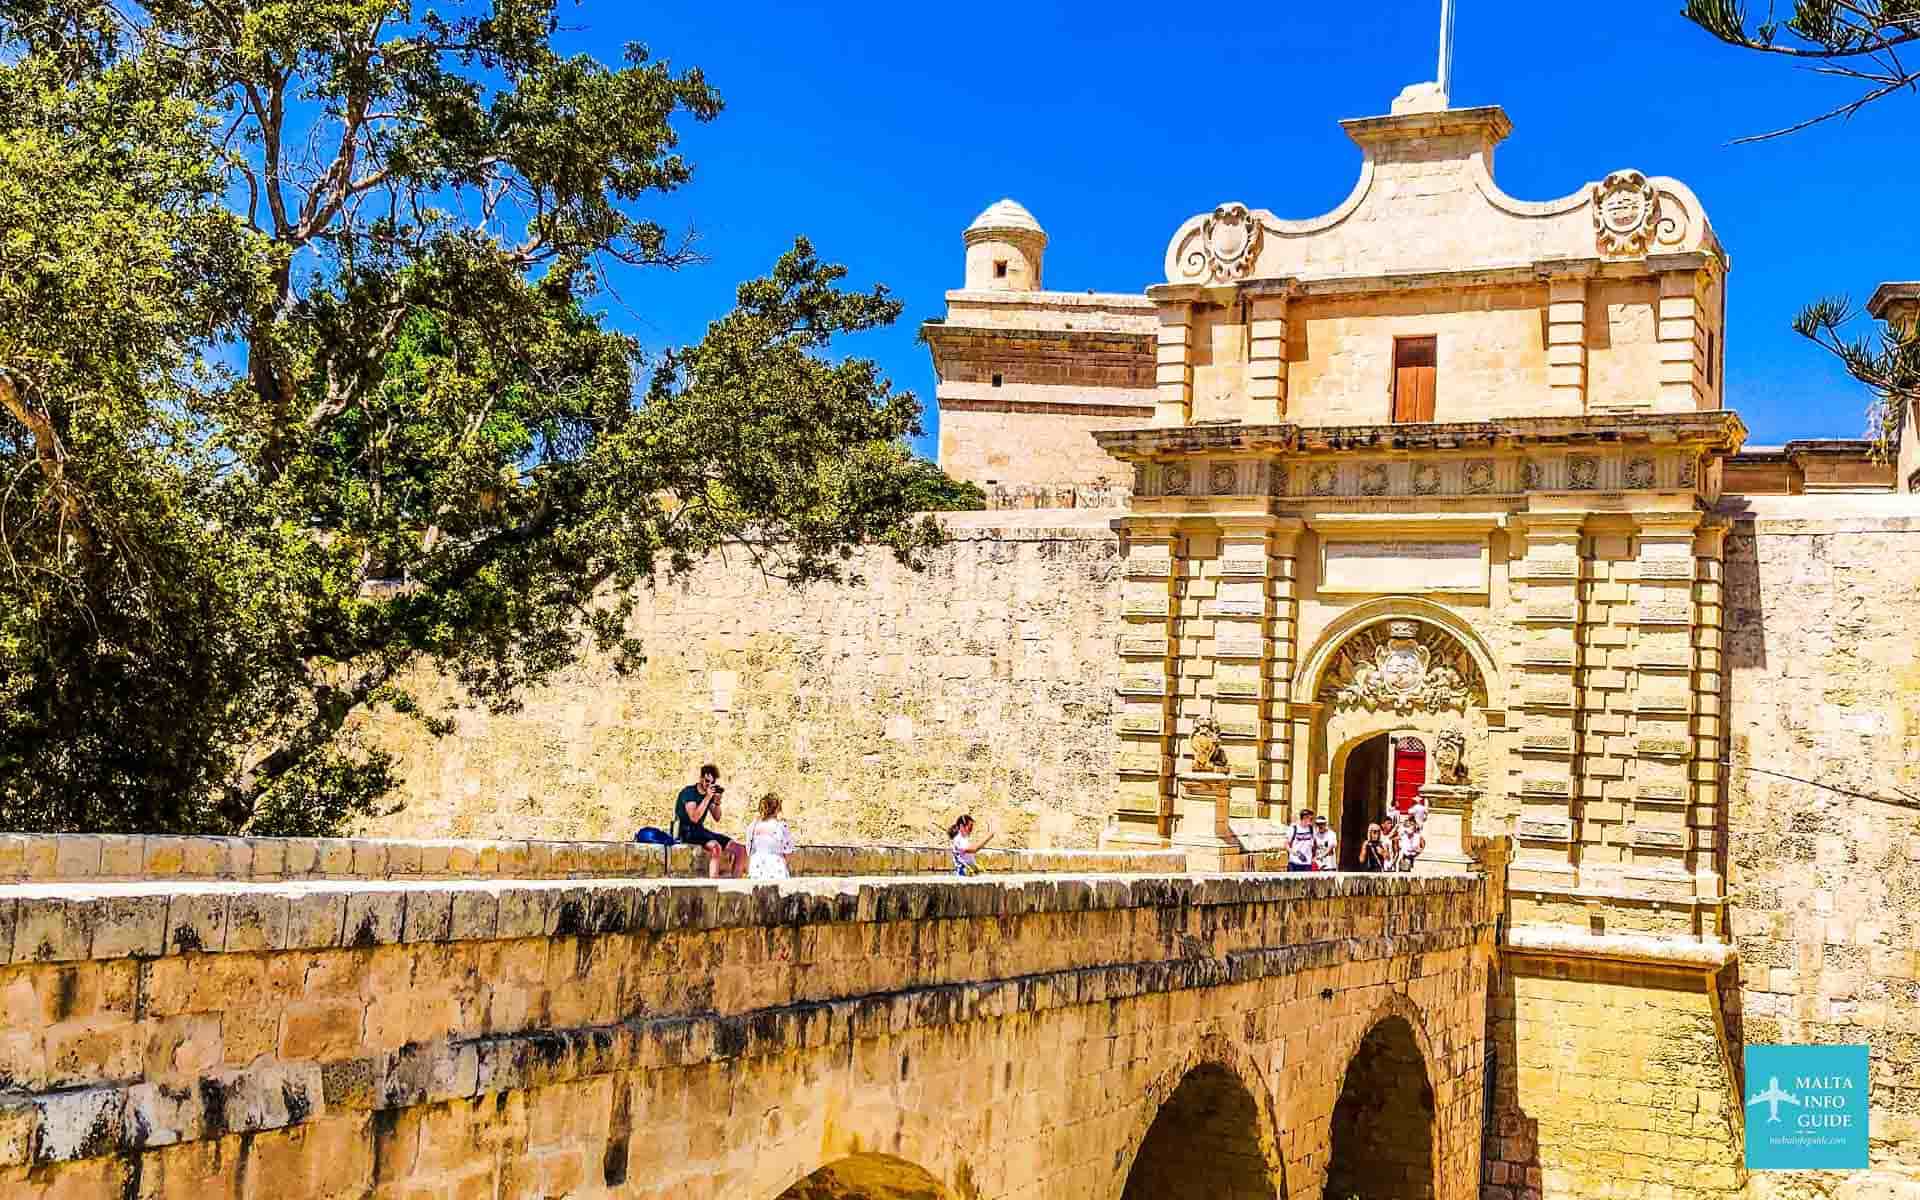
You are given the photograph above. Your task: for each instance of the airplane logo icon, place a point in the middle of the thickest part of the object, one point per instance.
(1773, 1098)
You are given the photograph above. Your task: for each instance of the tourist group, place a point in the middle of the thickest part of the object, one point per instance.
(1392, 844)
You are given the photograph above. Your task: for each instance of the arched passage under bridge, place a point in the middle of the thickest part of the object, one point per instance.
(868, 1177)
(1205, 1141)
(1382, 1135)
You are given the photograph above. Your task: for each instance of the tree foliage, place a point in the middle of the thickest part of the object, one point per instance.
(1887, 362)
(1859, 40)
(302, 386)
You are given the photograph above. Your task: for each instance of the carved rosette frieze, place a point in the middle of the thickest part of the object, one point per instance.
(1403, 666)
(1360, 476)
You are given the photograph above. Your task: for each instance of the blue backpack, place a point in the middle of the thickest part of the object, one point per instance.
(654, 837)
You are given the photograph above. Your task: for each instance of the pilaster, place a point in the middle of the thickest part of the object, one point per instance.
(1173, 364)
(1609, 700)
(1662, 846)
(1267, 358)
(1549, 559)
(1682, 335)
(1143, 802)
(1707, 815)
(1282, 661)
(1567, 337)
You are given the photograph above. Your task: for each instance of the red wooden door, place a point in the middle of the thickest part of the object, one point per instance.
(1414, 361)
(1409, 771)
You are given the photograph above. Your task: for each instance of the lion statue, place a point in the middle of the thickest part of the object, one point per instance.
(1450, 757)
(1208, 753)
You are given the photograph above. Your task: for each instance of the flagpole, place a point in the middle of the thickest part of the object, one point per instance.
(1445, 73)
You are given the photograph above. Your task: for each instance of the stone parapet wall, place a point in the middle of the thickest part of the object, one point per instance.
(351, 1038)
(81, 858)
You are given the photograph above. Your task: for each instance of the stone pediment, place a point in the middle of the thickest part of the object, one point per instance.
(1426, 202)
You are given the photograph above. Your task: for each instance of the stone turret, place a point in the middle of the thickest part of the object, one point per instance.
(1005, 246)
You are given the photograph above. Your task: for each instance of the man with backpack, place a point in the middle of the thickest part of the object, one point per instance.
(1301, 843)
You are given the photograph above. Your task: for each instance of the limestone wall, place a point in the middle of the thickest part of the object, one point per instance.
(879, 711)
(1823, 650)
(517, 1040)
(1490, 341)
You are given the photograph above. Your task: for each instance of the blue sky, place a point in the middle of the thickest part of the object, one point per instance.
(880, 131)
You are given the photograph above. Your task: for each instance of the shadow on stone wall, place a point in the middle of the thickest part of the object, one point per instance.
(1510, 1144)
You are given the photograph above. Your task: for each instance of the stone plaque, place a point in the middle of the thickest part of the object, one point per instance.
(1133, 762)
(1541, 785)
(1664, 839)
(1144, 644)
(1549, 654)
(1145, 606)
(1667, 698)
(1239, 608)
(1403, 566)
(1149, 564)
(1146, 683)
(1550, 610)
(1548, 695)
(1666, 611)
(1552, 740)
(1238, 643)
(1673, 655)
(1662, 747)
(1242, 565)
(1236, 685)
(1546, 831)
(1661, 792)
(1666, 568)
(1141, 722)
(1240, 729)
(1550, 568)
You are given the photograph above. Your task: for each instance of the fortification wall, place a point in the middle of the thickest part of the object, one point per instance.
(878, 711)
(1823, 650)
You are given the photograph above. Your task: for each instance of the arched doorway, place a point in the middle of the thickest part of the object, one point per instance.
(1205, 1141)
(867, 1177)
(1383, 1121)
(1415, 677)
(1363, 796)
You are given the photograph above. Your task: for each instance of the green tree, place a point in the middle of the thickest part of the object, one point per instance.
(1850, 39)
(1859, 40)
(302, 387)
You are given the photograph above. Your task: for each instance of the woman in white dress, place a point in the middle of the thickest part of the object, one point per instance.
(768, 842)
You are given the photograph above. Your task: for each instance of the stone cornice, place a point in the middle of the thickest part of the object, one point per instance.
(1489, 120)
(1556, 942)
(1720, 431)
(1094, 344)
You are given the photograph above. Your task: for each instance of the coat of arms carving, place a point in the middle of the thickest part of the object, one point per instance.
(1229, 242)
(1404, 666)
(1626, 211)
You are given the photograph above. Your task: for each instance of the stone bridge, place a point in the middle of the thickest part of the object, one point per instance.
(284, 1036)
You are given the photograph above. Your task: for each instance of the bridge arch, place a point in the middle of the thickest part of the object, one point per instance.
(1385, 1135)
(868, 1177)
(1206, 1128)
